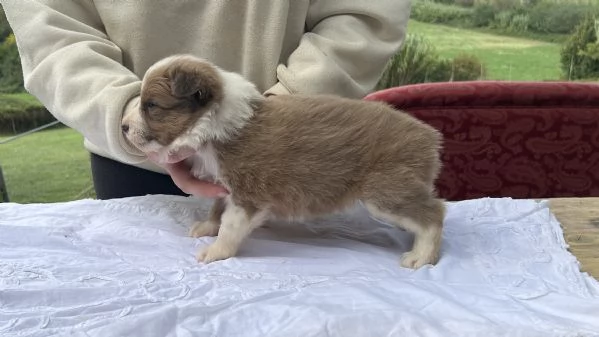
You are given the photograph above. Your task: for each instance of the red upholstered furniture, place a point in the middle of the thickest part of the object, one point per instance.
(510, 139)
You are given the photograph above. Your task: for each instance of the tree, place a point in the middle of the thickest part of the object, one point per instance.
(11, 74)
(580, 53)
(4, 26)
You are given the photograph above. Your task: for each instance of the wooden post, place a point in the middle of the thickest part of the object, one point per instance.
(3, 189)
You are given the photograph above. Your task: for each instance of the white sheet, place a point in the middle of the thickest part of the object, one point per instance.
(126, 268)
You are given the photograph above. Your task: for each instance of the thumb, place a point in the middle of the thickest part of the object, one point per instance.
(189, 184)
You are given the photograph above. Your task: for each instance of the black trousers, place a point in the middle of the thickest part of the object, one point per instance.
(113, 179)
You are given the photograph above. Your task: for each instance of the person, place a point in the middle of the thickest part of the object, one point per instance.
(83, 59)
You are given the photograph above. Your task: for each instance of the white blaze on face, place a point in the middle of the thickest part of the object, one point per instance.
(137, 133)
(137, 130)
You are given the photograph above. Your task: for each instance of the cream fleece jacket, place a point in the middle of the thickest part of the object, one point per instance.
(83, 59)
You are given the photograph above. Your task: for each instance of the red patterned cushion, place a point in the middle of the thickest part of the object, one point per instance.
(510, 139)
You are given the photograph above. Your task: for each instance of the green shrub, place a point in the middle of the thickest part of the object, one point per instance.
(467, 67)
(4, 26)
(21, 112)
(464, 67)
(11, 74)
(411, 64)
(591, 50)
(578, 59)
(530, 3)
(441, 71)
(519, 23)
(464, 3)
(503, 20)
(432, 12)
(483, 15)
(547, 17)
(502, 5)
(419, 62)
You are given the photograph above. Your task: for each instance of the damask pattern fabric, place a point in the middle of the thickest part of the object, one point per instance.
(515, 139)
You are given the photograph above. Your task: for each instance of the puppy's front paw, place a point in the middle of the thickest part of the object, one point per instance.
(215, 252)
(416, 259)
(203, 228)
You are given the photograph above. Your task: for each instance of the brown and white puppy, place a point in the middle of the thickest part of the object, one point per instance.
(289, 157)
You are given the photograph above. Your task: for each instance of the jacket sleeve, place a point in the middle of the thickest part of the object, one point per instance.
(74, 70)
(345, 48)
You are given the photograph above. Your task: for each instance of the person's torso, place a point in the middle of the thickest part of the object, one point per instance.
(247, 36)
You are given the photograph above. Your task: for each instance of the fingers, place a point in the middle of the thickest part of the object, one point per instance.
(153, 156)
(181, 174)
(189, 184)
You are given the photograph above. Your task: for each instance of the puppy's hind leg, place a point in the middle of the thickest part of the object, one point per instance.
(423, 216)
(209, 227)
(237, 223)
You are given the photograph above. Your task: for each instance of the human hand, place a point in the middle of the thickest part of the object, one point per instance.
(180, 172)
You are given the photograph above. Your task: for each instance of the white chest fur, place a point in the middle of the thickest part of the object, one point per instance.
(205, 164)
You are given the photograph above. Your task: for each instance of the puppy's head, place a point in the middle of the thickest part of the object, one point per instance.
(176, 92)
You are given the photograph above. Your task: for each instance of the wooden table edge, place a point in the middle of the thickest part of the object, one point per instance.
(579, 220)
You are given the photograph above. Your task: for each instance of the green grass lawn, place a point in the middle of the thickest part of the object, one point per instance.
(506, 58)
(47, 166)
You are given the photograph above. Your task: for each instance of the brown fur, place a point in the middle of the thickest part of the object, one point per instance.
(175, 97)
(312, 155)
(302, 156)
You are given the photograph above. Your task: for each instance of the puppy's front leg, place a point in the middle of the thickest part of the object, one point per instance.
(209, 227)
(237, 223)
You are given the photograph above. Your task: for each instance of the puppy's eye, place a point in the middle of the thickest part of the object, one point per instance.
(150, 105)
(203, 96)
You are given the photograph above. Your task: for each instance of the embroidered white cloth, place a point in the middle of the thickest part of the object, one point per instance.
(126, 268)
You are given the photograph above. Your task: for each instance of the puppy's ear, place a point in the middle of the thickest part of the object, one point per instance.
(189, 78)
(185, 81)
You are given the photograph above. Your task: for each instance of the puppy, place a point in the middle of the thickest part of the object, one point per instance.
(289, 157)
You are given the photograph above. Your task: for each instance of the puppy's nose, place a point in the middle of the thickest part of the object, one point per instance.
(125, 128)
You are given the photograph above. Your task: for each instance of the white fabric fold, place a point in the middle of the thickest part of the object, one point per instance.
(126, 268)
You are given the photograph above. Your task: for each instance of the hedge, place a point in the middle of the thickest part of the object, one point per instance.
(550, 21)
(434, 12)
(21, 112)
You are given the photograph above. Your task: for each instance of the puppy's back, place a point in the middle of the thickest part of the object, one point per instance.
(310, 154)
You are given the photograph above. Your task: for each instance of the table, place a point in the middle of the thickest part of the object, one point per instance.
(580, 222)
